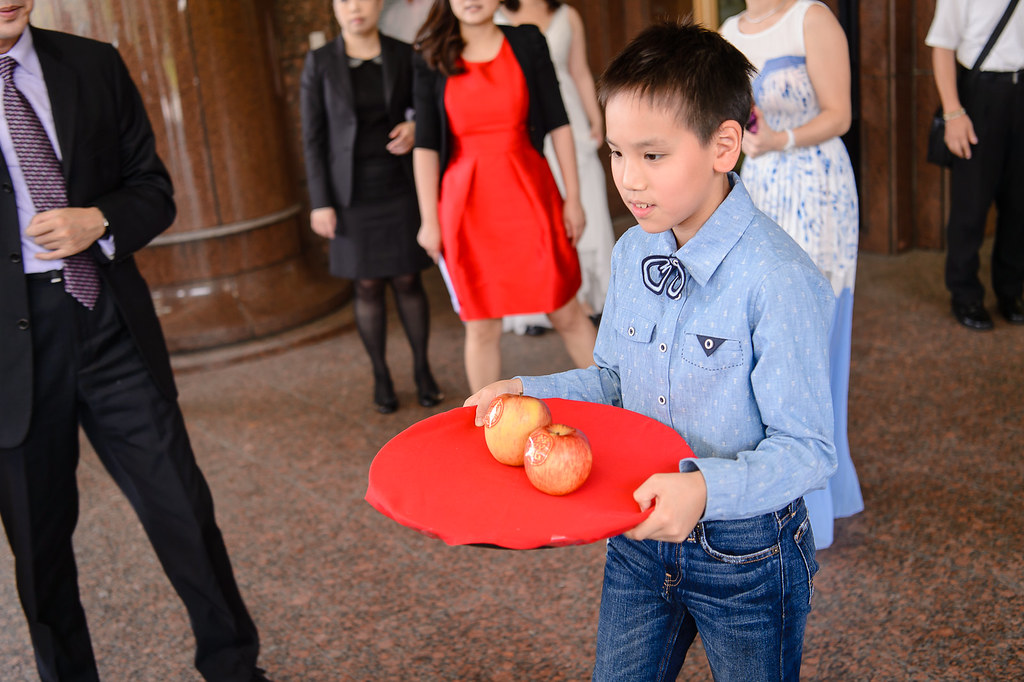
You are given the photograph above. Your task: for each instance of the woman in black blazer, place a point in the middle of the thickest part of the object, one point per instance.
(357, 135)
(486, 96)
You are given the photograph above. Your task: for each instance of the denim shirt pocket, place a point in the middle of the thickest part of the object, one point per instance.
(710, 352)
(634, 327)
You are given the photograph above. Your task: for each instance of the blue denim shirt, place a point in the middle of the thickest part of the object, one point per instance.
(737, 363)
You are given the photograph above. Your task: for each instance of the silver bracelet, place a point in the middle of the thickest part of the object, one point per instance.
(790, 140)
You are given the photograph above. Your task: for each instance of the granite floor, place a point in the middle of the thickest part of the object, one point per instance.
(926, 584)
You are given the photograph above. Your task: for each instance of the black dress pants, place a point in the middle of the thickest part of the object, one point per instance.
(995, 172)
(88, 371)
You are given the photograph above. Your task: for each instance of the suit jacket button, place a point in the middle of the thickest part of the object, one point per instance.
(15, 257)
(8, 188)
(22, 324)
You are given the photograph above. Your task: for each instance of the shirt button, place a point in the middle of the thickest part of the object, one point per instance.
(631, 332)
(661, 400)
(663, 348)
(23, 324)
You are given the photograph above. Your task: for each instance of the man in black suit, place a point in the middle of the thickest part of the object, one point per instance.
(80, 344)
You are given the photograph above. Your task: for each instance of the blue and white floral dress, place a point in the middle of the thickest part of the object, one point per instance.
(812, 194)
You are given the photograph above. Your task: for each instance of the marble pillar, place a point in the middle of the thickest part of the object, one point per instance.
(232, 268)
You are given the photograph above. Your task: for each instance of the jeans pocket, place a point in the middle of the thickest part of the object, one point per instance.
(804, 540)
(731, 549)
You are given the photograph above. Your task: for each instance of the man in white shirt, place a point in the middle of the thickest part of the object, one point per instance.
(984, 112)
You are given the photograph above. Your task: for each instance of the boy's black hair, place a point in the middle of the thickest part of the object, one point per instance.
(686, 68)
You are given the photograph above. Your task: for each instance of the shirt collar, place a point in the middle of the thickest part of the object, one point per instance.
(24, 52)
(706, 250)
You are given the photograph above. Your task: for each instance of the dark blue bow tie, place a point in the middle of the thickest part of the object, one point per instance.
(664, 274)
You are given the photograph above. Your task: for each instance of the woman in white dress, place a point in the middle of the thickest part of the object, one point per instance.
(563, 29)
(797, 171)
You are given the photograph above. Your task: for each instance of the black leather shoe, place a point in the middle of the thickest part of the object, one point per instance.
(536, 330)
(1012, 309)
(384, 395)
(427, 391)
(972, 316)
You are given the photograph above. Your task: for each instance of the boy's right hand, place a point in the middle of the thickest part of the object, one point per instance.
(482, 398)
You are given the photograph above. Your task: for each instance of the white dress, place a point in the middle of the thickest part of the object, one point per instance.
(595, 246)
(811, 193)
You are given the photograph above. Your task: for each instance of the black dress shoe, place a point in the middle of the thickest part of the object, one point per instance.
(384, 395)
(535, 330)
(427, 391)
(972, 315)
(1012, 309)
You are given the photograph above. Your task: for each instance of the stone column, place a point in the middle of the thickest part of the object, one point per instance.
(232, 268)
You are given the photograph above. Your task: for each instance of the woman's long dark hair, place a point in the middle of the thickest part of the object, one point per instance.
(440, 41)
(513, 5)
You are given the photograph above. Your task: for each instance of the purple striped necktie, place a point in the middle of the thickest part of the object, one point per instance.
(42, 172)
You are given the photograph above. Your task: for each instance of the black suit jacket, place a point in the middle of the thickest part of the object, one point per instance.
(110, 162)
(547, 111)
(329, 115)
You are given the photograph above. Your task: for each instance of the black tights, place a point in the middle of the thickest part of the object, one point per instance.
(413, 311)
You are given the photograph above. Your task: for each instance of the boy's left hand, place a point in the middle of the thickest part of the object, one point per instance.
(679, 500)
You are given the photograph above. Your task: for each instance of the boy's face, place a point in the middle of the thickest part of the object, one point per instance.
(666, 177)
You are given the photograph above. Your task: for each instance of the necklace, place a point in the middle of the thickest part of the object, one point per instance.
(763, 16)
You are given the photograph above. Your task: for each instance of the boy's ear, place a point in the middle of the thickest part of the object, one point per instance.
(728, 141)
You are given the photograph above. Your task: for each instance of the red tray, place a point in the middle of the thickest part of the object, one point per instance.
(438, 477)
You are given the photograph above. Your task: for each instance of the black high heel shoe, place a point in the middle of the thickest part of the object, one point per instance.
(384, 395)
(427, 391)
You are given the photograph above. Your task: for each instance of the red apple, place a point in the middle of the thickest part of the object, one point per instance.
(557, 459)
(509, 421)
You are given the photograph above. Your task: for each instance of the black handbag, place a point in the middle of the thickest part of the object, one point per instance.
(938, 152)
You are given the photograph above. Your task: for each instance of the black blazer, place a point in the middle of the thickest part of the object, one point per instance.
(109, 161)
(329, 115)
(547, 111)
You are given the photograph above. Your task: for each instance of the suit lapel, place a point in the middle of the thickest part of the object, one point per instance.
(338, 74)
(389, 69)
(62, 87)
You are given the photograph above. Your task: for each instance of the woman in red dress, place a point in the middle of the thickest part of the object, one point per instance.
(485, 96)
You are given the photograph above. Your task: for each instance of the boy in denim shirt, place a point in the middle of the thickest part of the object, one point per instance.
(716, 324)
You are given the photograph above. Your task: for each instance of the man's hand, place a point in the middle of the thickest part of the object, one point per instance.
(482, 398)
(324, 221)
(679, 500)
(960, 136)
(64, 232)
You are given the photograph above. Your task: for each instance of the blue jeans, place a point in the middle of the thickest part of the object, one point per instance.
(745, 585)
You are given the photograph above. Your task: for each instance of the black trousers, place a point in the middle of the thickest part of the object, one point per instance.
(89, 372)
(995, 172)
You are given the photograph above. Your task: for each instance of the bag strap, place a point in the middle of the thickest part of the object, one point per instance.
(995, 34)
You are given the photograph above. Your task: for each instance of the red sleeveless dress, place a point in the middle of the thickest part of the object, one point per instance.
(500, 210)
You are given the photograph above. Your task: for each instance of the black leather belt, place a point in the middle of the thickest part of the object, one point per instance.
(51, 276)
(1014, 77)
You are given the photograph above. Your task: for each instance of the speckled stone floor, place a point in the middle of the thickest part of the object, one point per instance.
(926, 584)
